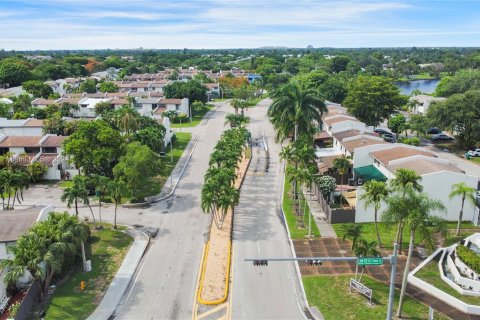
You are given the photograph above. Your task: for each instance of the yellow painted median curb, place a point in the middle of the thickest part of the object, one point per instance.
(227, 280)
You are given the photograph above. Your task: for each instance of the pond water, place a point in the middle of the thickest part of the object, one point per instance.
(426, 86)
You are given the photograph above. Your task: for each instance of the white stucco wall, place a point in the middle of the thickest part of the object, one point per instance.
(22, 131)
(348, 125)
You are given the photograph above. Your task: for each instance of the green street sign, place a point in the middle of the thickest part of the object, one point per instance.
(370, 261)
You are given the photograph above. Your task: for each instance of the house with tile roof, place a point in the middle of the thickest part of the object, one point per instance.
(23, 127)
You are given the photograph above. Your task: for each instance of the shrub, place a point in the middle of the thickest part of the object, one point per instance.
(411, 141)
(469, 257)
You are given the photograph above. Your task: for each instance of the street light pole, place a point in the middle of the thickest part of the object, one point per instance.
(391, 295)
(190, 111)
(171, 151)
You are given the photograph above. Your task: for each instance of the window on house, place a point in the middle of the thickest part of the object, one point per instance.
(3, 151)
(32, 149)
(49, 149)
(177, 107)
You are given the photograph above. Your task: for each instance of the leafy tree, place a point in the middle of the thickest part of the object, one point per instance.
(375, 192)
(372, 99)
(198, 107)
(94, 147)
(326, 184)
(461, 82)
(193, 90)
(419, 123)
(37, 88)
(414, 208)
(137, 168)
(20, 115)
(88, 86)
(339, 63)
(127, 120)
(36, 170)
(102, 107)
(460, 113)
(465, 192)
(13, 73)
(108, 86)
(153, 137)
(54, 125)
(73, 194)
(236, 120)
(21, 103)
(397, 123)
(295, 110)
(334, 89)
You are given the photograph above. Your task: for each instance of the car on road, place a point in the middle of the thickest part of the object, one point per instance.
(434, 131)
(381, 131)
(442, 137)
(474, 153)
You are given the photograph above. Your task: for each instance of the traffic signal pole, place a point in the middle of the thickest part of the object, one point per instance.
(391, 294)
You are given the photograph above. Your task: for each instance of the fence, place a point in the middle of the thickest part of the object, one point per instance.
(340, 215)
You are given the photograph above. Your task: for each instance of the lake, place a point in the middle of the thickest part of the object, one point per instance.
(426, 86)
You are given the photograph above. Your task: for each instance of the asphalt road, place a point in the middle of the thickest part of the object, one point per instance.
(262, 292)
(165, 284)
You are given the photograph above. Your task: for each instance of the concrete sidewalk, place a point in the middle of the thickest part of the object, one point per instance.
(122, 279)
(325, 228)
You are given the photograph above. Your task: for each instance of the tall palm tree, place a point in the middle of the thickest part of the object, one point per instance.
(418, 207)
(236, 104)
(295, 110)
(127, 120)
(375, 192)
(353, 232)
(116, 190)
(404, 178)
(20, 182)
(342, 165)
(72, 195)
(300, 176)
(365, 248)
(465, 192)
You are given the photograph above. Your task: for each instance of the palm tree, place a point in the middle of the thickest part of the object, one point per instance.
(466, 192)
(72, 195)
(353, 232)
(404, 178)
(127, 119)
(20, 181)
(415, 207)
(116, 190)
(101, 187)
(342, 165)
(299, 176)
(294, 110)
(365, 249)
(236, 104)
(375, 192)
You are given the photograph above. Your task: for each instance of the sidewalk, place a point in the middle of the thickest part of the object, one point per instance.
(122, 279)
(325, 228)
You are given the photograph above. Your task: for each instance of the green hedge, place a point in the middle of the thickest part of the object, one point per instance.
(469, 257)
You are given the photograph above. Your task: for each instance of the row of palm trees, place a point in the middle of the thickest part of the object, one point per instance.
(12, 184)
(44, 249)
(103, 186)
(218, 192)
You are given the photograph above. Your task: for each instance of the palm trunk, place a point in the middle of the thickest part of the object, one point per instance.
(76, 207)
(93, 216)
(376, 229)
(115, 217)
(48, 280)
(295, 132)
(400, 243)
(341, 191)
(405, 273)
(14, 196)
(100, 209)
(8, 202)
(460, 217)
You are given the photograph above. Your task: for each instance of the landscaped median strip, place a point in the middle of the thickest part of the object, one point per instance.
(215, 271)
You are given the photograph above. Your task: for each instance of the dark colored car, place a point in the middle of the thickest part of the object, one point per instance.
(389, 138)
(381, 131)
(434, 131)
(442, 137)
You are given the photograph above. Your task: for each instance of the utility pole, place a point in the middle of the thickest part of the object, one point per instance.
(391, 295)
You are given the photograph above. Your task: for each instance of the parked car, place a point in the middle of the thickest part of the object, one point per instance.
(442, 137)
(381, 131)
(389, 137)
(474, 153)
(434, 131)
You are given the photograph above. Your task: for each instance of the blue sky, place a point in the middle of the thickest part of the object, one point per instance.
(97, 24)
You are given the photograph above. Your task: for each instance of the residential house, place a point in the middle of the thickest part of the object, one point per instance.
(422, 103)
(179, 105)
(381, 161)
(87, 107)
(42, 103)
(23, 127)
(146, 106)
(214, 91)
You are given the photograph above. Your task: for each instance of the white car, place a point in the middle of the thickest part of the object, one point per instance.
(474, 153)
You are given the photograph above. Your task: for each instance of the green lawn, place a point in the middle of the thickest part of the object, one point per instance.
(475, 160)
(331, 295)
(388, 232)
(195, 120)
(430, 274)
(295, 226)
(65, 184)
(181, 142)
(107, 249)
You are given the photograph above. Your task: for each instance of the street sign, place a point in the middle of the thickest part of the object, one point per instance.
(367, 292)
(370, 261)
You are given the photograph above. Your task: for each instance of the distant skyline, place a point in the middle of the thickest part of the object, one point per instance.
(214, 24)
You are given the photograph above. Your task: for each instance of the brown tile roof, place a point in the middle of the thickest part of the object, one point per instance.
(15, 223)
(330, 121)
(53, 141)
(140, 85)
(34, 123)
(346, 134)
(321, 135)
(68, 100)
(41, 101)
(361, 142)
(19, 141)
(119, 101)
(385, 156)
(159, 110)
(95, 95)
(171, 101)
(116, 94)
(72, 95)
(156, 94)
(424, 166)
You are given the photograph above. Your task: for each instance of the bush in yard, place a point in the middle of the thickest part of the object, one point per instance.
(469, 257)
(36, 170)
(326, 184)
(411, 141)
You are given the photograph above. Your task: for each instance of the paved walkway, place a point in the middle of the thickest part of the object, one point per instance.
(338, 248)
(123, 277)
(325, 228)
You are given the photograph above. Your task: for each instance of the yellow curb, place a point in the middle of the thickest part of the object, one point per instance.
(227, 280)
(195, 306)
